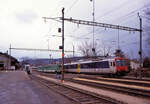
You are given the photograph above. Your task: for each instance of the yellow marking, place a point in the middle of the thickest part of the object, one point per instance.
(110, 83)
(78, 68)
(125, 80)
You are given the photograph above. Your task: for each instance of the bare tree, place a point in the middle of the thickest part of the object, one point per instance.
(119, 53)
(100, 50)
(106, 49)
(86, 49)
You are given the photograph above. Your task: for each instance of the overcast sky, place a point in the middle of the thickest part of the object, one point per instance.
(22, 25)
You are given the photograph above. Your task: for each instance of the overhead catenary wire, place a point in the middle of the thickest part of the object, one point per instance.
(77, 1)
(70, 36)
(124, 16)
(115, 9)
(69, 9)
(123, 4)
(56, 9)
(35, 49)
(130, 13)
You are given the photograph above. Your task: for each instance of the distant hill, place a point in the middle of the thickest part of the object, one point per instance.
(47, 61)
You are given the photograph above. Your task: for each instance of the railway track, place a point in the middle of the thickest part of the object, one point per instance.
(128, 86)
(141, 89)
(76, 95)
(120, 80)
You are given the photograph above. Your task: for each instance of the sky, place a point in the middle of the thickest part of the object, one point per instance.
(22, 25)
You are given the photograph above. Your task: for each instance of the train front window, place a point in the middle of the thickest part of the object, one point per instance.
(121, 63)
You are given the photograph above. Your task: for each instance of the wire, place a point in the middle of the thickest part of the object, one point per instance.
(71, 6)
(117, 8)
(70, 36)
(130, 13)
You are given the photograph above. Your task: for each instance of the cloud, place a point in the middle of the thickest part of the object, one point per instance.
(26, 17)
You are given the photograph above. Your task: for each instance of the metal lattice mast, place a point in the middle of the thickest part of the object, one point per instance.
(91, 23)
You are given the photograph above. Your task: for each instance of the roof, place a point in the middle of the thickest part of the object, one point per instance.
(6, 55)
(87, 61)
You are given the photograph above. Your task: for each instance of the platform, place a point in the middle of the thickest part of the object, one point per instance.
(17, 88)
(114, 95)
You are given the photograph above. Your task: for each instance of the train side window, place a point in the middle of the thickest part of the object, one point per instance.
(68, 66)
(94, 65)
(105, 64)
(74, 66)
(65, 66)
(98, 64)
(86, 65)
(81, 65)
(91, 65)
(71, 66)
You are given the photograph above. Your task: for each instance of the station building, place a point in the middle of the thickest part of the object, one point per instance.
(8, 62)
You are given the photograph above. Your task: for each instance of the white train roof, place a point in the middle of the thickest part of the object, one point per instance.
(89, 61)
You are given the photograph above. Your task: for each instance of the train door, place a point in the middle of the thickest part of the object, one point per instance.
(112, 66)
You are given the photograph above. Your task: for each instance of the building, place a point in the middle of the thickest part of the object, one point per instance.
(8, 62)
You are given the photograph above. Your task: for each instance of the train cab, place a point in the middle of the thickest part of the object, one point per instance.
(121, 65)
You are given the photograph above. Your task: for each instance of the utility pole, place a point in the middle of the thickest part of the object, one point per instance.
(50, 58)
(118, 41)
(63, 45)
(48, 43)
(140, 51)
(93, 14)
(48, 51)
(10, 56)
(73, 50)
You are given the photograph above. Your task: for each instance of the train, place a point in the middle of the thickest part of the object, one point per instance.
(28, 69)
(112, 66)
(49, 68)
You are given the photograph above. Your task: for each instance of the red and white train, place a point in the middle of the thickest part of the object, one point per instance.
(113, 66)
